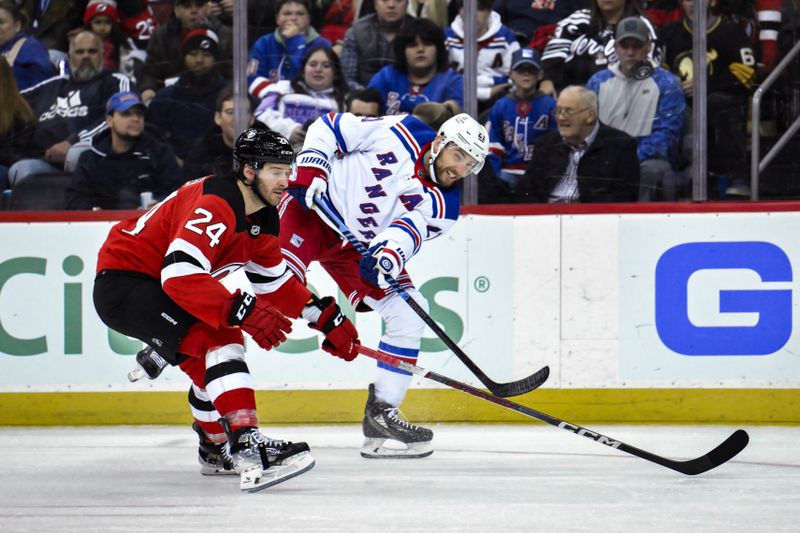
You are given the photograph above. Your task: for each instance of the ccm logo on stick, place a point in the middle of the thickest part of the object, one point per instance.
(770, 308)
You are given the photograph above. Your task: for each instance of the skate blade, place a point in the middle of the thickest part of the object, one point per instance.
(378, 449)
(256, 479)
(136, 374)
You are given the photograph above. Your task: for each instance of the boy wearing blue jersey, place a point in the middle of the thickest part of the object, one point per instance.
(519, 118)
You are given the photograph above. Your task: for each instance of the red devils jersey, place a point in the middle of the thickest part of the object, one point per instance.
(196, 236)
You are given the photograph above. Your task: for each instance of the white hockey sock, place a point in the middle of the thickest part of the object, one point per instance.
(391, 387)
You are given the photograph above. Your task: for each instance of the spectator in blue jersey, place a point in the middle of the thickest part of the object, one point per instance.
(643, 100)
(184, 110)
(279, 55)
(583, 43)
(496, 43)
(519, 118)
(421, 73)
(28, 58)
(124, 162)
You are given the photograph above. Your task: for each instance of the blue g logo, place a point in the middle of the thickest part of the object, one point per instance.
(774, 307)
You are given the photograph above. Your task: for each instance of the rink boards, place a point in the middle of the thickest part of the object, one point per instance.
(642, 317)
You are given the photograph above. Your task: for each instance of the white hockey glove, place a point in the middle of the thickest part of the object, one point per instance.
(385, 257)
(318, 187)
(307, 183)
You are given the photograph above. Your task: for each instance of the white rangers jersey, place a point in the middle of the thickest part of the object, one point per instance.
(376, 179)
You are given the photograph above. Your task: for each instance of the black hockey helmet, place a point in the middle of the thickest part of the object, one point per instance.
(256, 146)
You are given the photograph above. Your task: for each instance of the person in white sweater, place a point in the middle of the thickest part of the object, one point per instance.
(288, 107)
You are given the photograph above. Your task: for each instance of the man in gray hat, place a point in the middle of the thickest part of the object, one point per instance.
(643, 100)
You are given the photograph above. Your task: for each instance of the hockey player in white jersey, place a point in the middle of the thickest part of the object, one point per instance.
(394, 181)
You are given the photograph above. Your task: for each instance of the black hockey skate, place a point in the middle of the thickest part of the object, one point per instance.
(214, 459)
(383, 422)
(148, 363)
(262, 462)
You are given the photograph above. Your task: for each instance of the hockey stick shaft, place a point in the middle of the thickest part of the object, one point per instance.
(501, 389)
(719, 455)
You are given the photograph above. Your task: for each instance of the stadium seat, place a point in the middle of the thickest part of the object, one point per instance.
(41, 192)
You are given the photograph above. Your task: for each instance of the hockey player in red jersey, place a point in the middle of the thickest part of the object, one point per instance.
(394, 181)
(158, 281)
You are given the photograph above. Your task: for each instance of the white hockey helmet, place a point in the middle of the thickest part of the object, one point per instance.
(466, 133)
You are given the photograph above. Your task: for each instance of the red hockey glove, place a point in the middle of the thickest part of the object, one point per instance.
(259, 318)
(341, 337)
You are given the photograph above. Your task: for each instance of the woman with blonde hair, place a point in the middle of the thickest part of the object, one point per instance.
(16, 122)
(434, 114)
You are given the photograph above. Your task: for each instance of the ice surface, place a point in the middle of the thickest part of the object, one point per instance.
(484, 478)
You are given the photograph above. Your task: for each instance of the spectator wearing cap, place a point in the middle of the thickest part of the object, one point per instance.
(584, 161)
(643, 100)
(102, 19)
(184, 109)
(496, 44)
(519, 118)
(279, 55)
(164, 57)
(583, 43)
(421, 73)
(69, 109)
(124, 162)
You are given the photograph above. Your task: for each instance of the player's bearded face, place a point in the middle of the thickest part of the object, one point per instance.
(271, 182)
(453, 164)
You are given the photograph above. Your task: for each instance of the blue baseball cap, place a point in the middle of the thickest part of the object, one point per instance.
(525, 55)
(122, 101)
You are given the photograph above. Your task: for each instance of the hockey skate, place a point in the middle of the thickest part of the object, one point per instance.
(148, 363)
(383, 423)
(214, 459)
(262, 462)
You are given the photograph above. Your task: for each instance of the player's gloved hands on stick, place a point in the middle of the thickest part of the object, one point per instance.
(308, 184)
(341, 337)
(263, 321)
(385, 257)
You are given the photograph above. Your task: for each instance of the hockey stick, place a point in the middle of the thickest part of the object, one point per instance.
(719, 455)
(513, 388)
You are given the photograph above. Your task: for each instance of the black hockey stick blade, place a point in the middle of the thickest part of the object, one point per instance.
(723, 453)
(515, 388)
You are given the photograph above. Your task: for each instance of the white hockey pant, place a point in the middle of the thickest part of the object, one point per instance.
(402, 338)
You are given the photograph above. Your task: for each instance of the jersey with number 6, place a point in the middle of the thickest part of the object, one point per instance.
(197, 235)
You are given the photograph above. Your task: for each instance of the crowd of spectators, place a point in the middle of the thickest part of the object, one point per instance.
(583, 100)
